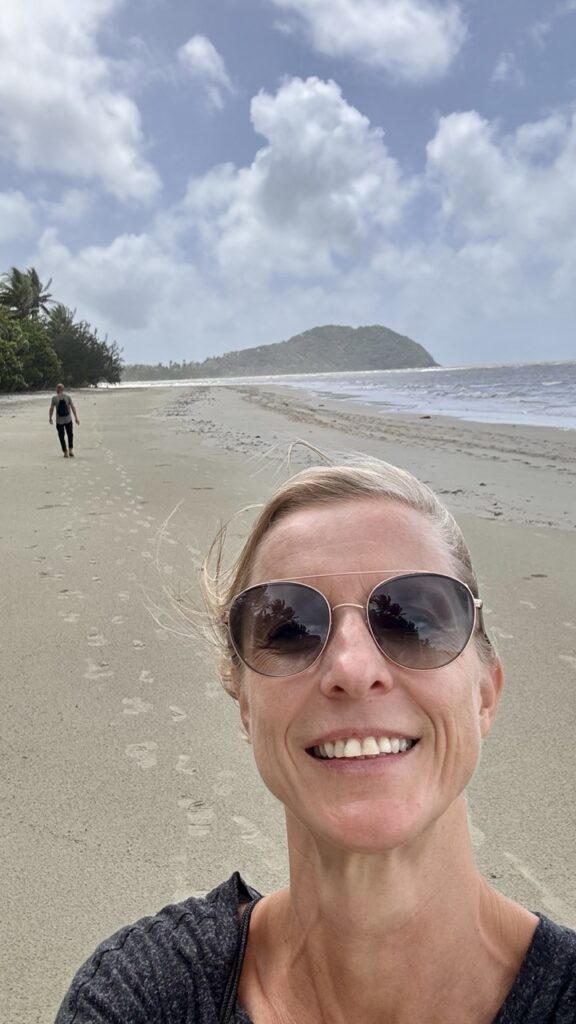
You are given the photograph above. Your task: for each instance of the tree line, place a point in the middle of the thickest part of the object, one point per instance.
(42, 343)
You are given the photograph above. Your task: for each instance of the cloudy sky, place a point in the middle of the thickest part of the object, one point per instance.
(198, 176)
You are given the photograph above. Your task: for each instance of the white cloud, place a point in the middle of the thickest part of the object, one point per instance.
(520, 188)
(507, 70)
(321, 187)
(415, 40)
(17, 216)
(201, 60)
(70, 207)
(59, 109)
(321, 227)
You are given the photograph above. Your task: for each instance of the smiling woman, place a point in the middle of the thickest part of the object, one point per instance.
(352, 638)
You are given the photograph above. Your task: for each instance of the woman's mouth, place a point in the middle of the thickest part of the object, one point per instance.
(369, 746)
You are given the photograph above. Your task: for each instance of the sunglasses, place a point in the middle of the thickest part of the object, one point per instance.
(418, 620)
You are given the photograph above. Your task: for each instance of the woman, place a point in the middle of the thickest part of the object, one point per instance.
(64, 407)
(353, 642)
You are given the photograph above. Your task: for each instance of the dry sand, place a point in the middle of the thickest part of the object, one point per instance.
(125, 781)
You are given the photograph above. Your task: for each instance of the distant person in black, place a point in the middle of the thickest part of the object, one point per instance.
(64, 406)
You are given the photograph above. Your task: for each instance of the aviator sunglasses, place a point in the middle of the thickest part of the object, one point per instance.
(418, 620)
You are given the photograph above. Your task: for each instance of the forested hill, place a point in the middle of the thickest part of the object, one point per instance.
(320, 350)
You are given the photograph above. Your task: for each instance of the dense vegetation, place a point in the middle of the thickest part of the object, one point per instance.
(319, 350)
(42, 343)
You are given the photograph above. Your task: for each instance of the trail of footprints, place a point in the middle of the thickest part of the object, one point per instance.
(120, 513)
(87, 501)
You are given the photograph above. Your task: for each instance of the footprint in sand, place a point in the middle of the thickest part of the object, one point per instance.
(117, 620)
(138, 644)
(145, 676)
(568, 658)
(253, 836)
(178, 714)
(135, 706)
(69, 616)
(144, 754)
(95, 672)
(123, 596)
(200, 818)
(528, 604)
(95, 639)
(184, 765)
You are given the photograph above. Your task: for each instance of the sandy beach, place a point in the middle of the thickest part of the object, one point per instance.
(126, 782)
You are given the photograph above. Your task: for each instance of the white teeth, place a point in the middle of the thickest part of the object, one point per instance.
(368, 747)
(353, 748)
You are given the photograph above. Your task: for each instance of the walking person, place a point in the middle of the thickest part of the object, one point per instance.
(64, 407)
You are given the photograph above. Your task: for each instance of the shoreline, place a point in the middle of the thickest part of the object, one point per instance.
(523, 474)
(360, 405)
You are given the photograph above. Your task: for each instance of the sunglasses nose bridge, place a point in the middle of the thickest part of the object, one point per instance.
(347, 604)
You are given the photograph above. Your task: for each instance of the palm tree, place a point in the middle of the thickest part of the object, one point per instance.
(22, 292)
(41, 297)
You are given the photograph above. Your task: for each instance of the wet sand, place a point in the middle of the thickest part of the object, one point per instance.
(126, 783)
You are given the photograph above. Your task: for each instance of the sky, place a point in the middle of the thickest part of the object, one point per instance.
(202, 176)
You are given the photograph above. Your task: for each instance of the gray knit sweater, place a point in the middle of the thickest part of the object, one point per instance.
(182, 967)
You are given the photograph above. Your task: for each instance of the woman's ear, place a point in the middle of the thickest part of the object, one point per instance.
(491, 685)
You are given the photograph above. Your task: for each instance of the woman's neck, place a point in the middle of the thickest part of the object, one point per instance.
(411, 932)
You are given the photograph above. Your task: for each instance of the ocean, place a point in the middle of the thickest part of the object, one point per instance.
(540, 394)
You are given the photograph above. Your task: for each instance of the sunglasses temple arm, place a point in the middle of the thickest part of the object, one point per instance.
(479, 606)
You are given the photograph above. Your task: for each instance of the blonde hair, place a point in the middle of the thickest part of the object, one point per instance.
(327, 485)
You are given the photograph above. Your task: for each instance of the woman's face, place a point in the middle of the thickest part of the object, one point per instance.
(354, 692)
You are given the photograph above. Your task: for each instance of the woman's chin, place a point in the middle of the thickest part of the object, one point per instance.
(371, 827)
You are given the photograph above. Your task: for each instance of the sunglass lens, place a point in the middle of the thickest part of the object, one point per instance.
(279, 629)
(421, 621)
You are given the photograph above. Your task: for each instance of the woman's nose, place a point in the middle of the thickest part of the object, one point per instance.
(352, 664)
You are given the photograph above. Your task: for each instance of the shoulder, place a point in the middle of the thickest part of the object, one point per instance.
(175, 962)
(545, 989)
